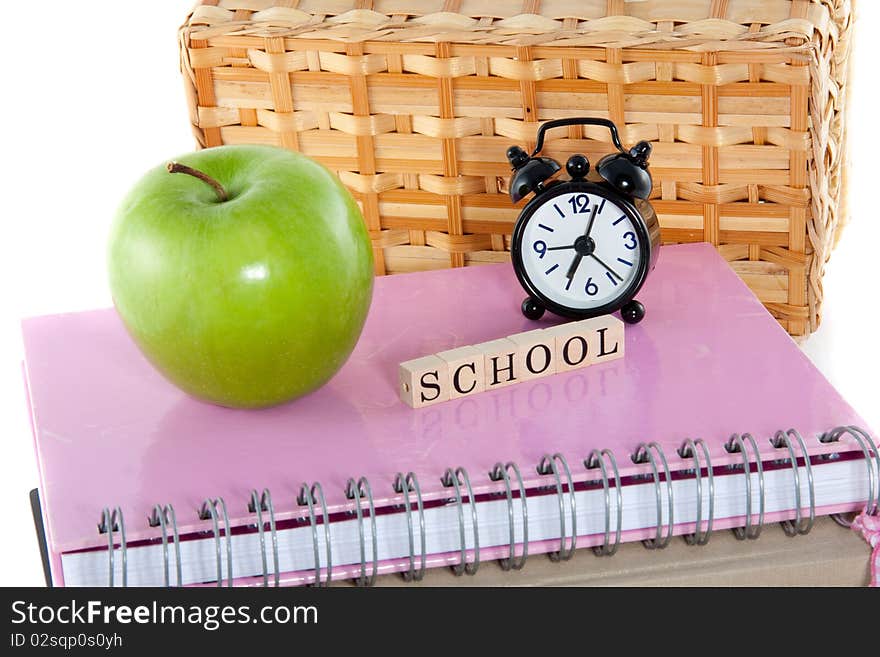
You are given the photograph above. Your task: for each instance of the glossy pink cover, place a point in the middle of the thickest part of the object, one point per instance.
(707, 361)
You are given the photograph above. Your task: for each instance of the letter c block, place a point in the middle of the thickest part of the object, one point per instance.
(467, 373)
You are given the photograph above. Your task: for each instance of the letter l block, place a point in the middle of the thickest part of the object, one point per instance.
(607, 340)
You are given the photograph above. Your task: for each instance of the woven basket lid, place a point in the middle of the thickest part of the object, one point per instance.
(660, 24)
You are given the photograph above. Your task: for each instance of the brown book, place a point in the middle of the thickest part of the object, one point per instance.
(829, 556)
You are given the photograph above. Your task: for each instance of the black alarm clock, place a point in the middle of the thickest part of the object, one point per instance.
(583, 247)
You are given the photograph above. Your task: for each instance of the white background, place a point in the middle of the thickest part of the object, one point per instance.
(92, 97)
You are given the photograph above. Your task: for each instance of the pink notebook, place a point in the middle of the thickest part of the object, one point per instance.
(707, 362)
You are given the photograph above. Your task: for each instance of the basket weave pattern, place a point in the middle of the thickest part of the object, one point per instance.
(414, 108)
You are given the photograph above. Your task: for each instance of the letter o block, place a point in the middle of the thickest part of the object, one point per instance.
(573, 349)
(535, 354)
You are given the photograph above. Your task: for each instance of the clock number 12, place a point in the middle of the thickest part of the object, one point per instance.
(579, 203)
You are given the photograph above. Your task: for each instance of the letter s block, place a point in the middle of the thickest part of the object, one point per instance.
(467, 373)
(424, 381)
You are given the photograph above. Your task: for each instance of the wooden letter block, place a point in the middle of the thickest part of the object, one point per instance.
(606, 338)
(535, 354)
(572, 349)
(424, 381)
(500, 359)
(467, 371)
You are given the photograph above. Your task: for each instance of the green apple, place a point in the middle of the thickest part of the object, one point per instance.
(243, 273)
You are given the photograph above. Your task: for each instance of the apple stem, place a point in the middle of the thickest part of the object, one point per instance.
(177, 167)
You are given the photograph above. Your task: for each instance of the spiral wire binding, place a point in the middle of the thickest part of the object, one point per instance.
(404, 485)
(114, 522)
(501, 472)
(258, 504)
(783, 439)
(208, 511)
(595, 460)
(357, 491)
(643, 455)
(309, 497)
(548, 466)
(451, 479)
(872, 504)
(161, 517)
(688, 449)
(735, 445)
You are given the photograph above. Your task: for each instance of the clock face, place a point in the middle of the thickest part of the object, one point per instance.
(581, 250)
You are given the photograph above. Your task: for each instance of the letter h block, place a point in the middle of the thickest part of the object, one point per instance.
(500, 359)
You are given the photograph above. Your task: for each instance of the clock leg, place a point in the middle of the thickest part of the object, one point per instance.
(633, 312)
(532, 308)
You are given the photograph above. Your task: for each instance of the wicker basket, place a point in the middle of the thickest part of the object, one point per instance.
(414, 108)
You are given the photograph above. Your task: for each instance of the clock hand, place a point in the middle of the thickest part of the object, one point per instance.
(610, 271)
(590, 223)
(573, 269)
(560, 248)
(577, 259)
